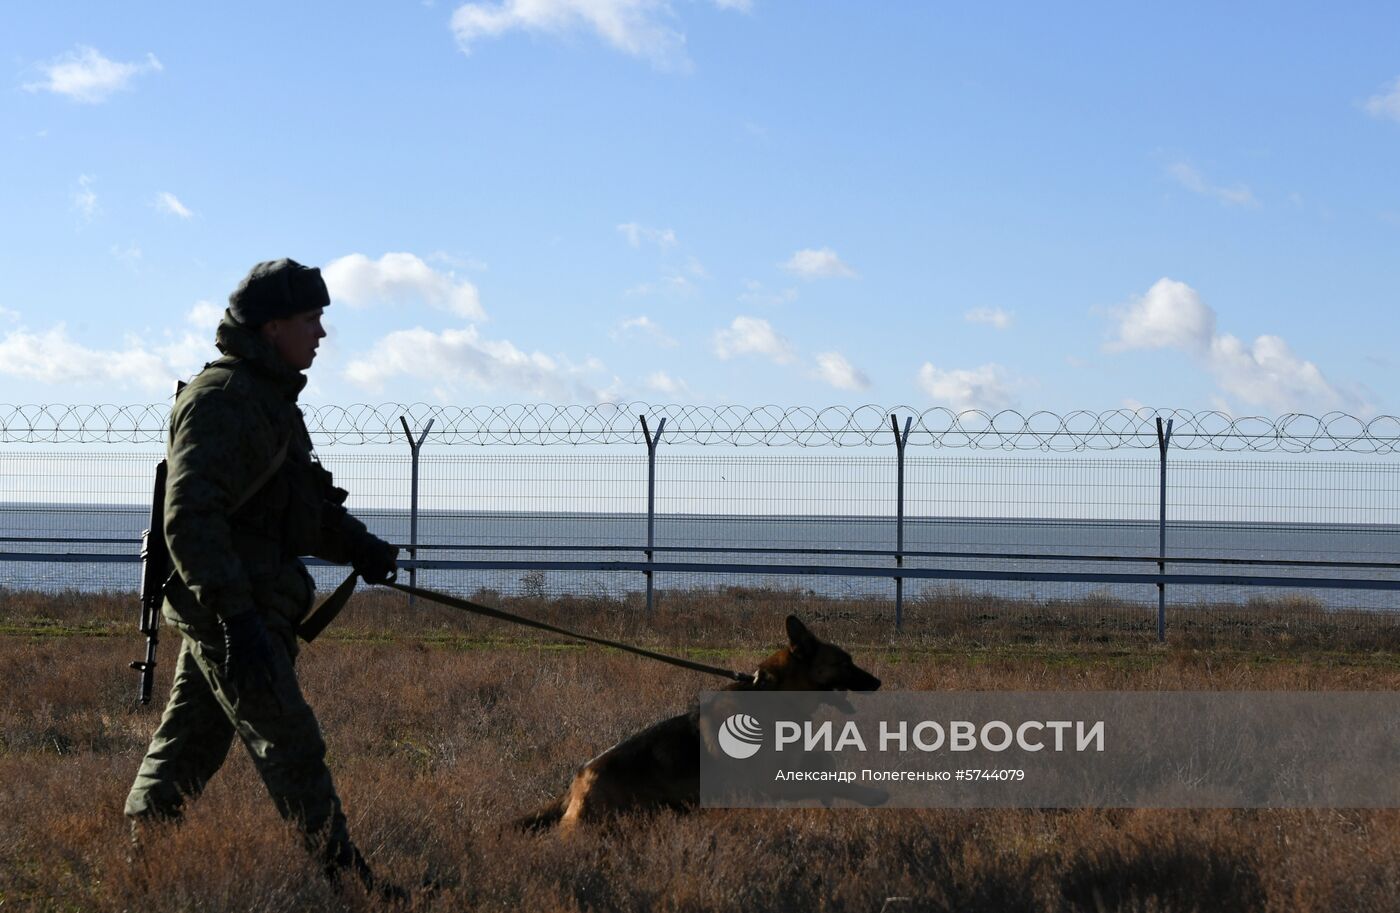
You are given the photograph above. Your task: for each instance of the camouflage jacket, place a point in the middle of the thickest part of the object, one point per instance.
(226, 429)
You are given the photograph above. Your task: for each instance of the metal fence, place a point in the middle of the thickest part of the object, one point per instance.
(1227, 512)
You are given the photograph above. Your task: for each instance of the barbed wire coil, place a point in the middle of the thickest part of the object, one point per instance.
(748, 426)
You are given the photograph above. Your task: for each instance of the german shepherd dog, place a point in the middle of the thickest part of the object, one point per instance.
(659, 767)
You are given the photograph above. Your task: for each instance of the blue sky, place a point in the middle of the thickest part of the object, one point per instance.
(977, 206)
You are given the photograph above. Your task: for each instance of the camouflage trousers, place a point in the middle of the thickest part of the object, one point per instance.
(274, 723)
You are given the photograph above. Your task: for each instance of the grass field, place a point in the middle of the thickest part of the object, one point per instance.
(442, 728)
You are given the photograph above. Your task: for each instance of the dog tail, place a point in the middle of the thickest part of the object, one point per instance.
(542, 818)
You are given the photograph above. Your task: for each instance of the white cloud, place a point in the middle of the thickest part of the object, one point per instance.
(833, 368)
(85, 198)
(636, 234)
(1387, 105)
(667, 285)
(679, 272)
(753, 336)
(470, 264)
(1265, 373)
(643, 327)
(639, 28)
(85, 75)
(463, 357)
(186, 355)
(993, 317)
(8, 315)
(130, 254)
(756, 293)
(205, 315)
(661, 382)
(818, 264)
(1192, 180)
(1170, 316)
(169, 203)
(52, 357)
(960, 389)
(398, 277)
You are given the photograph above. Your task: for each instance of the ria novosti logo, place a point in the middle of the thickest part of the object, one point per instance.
(740, 736)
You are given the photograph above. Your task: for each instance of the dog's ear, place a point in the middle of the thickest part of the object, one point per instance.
(800, 639)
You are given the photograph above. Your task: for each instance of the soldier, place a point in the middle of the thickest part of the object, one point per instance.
(245, 497)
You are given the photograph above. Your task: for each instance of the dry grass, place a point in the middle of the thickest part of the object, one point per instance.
(441, 729)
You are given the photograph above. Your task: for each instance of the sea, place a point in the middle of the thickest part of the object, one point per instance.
(99, 551)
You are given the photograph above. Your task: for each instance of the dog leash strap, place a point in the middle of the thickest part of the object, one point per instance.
(314, 623)
(502, 615)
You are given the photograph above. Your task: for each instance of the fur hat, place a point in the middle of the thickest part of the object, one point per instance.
(277, 288)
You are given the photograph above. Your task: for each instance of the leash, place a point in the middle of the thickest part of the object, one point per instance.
(477, 609)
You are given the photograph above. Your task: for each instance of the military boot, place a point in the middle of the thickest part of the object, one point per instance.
(345, 860)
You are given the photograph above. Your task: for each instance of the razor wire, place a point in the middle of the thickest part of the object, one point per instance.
(749, 426)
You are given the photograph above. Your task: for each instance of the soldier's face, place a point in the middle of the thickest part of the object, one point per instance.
(296, 337)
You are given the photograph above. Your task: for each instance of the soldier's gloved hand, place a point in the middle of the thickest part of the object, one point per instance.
(376, 561)
(248, 652)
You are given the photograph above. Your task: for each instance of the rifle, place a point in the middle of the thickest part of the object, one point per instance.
(155, 571)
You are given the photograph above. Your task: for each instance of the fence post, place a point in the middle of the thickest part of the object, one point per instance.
(651, 497)
(900, 439)
(413, 447)
(1164, 439)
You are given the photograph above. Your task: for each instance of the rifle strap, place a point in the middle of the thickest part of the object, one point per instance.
(263, 479)
(316, 620)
